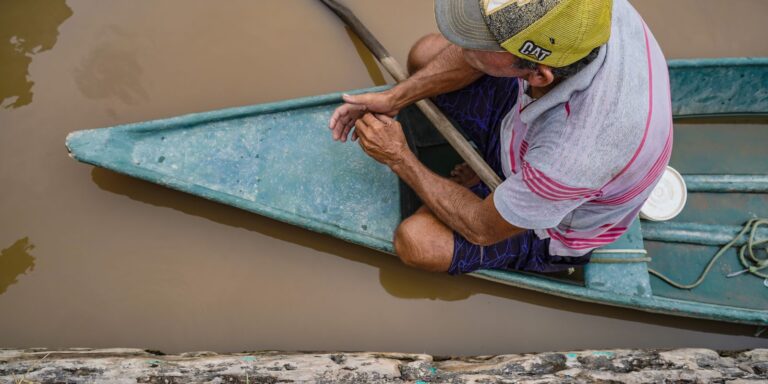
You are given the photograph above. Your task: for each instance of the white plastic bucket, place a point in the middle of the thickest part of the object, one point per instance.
(667, 199)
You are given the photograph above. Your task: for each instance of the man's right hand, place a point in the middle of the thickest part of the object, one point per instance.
(355, 106)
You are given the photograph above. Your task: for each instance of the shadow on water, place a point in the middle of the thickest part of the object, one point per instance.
(15, 261)
(27, 27)
(397, 279)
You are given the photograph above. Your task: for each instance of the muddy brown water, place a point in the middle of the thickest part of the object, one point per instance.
(92, 258)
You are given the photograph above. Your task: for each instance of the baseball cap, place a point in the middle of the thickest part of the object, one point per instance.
(556, 33)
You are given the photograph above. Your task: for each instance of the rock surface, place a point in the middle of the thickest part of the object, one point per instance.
(82, 365)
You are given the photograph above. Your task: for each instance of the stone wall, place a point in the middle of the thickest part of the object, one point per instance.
(611, 366)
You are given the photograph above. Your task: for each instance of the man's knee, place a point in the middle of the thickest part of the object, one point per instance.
(407, 245)
(416, 248)
(424, 50)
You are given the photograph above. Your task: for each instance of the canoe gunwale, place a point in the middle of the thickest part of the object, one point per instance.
(718, 62)
(654, 304)
(723, 87)
(196, 118)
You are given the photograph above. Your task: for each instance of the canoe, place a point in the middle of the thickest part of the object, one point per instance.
(278, 160)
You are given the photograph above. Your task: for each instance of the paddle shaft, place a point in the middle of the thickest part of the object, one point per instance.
(438, 119)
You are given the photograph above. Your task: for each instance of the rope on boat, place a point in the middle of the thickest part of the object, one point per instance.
(752, 264)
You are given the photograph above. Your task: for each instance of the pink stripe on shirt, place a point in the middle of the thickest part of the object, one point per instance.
(544, 186)
(653, 174)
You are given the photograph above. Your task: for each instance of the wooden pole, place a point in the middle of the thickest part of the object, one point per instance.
(438, 119)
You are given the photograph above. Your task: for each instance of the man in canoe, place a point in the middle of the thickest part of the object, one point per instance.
(567, 100)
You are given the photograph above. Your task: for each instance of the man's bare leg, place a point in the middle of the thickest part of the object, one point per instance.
(423, 241)
(424, 50)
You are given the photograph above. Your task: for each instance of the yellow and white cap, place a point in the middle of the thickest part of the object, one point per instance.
(556, 33)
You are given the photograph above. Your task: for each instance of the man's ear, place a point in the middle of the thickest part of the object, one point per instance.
(540, 77)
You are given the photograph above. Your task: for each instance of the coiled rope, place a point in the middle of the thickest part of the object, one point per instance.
(751, 262)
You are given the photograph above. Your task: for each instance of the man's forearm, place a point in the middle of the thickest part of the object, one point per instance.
(453, 204)
(382, 138)
(447, 72)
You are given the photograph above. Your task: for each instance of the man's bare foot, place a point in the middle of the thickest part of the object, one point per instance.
(464, 175)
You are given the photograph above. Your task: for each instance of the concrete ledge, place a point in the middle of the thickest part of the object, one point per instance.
(83, 365)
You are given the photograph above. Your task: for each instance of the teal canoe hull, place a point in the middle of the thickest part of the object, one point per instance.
(277, 160)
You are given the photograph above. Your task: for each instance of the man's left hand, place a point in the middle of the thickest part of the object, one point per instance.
(382, 138)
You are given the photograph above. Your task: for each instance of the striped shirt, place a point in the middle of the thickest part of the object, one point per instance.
(581, 160)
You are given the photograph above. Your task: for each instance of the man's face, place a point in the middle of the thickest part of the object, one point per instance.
(497, 64)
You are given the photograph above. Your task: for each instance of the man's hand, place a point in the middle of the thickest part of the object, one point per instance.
(382, 138)
(345, 116)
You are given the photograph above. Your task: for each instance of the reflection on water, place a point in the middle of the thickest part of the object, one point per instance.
(27, 27)
(397, 280)
(14, 261)
(111, 70)
(367, 57)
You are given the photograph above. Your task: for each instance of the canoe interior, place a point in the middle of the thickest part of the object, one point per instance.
(719, 146)
(277, 160)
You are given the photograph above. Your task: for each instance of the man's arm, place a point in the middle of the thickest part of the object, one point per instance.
(447, 72)
(476, 219)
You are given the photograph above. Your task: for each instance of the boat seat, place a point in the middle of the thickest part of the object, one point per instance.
(619, 267)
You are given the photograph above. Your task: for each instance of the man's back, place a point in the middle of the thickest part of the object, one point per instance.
(583, 158)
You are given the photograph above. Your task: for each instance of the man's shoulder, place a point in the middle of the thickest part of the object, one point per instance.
(582, 144)
(595, 129)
